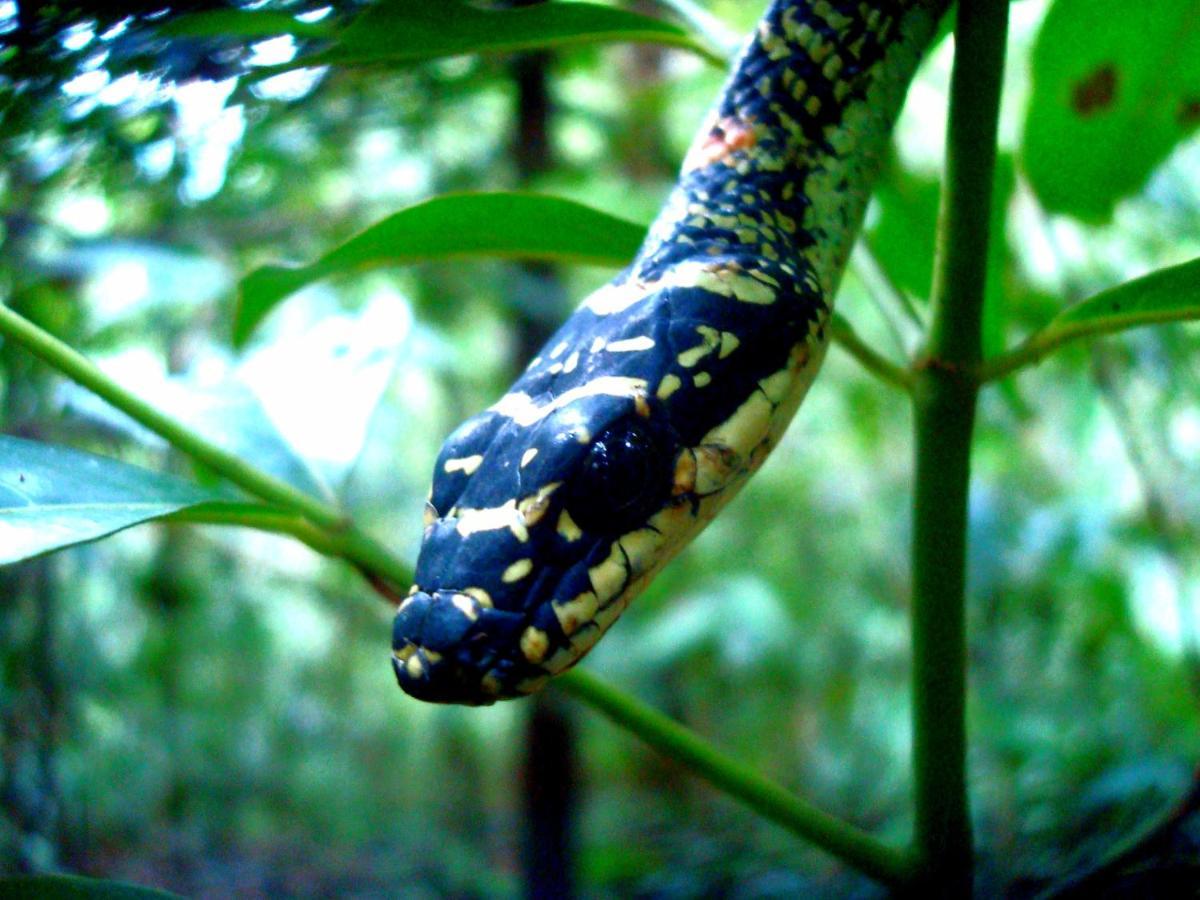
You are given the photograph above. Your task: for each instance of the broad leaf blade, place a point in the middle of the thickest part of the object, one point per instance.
(53, 497)
(256, 23)
(511, 225)
(1116, 85)
(1168, 295)
(402, 32)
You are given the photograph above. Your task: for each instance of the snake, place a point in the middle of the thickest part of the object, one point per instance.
(666, 389)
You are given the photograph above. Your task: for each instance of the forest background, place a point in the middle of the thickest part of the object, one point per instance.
(210, 709)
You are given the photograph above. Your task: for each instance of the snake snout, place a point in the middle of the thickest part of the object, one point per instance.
(428, 640)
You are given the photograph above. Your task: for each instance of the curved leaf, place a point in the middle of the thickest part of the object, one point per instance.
(1167, 295)
(512, 225)
(53, 497)
(254, 23)
(1116, 86)
(74, 887)
(407, 31)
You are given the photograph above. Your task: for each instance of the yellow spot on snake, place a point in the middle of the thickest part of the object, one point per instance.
(571, 363)
(473, 521)
(631, 345)
(597, 345)
(576, 612)
(729, 343)
(467, 464)
(528, 455)
(702, 379)
(464, 605)
(533, 507)
(523, 410)
(567, 527)
(414, 667)
(559, 349)
(609, 576)
(405, 652)
(534, 644)
(480, 596)
(430, 515)
(517, 571)
(669, 385)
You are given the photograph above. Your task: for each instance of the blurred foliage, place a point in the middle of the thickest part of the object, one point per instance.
(212, 712)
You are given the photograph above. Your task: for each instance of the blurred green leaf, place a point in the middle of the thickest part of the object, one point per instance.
(1168, 295)
(510, 225)
(53, 497)
(400, 32)
(902, 239)
(241, 23)
(1116, 86)
(70, 887)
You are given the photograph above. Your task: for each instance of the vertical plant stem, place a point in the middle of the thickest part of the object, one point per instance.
(944, 398)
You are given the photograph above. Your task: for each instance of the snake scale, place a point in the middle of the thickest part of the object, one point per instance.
(666, 389)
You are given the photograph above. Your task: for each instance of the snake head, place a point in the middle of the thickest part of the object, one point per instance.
(521, 566)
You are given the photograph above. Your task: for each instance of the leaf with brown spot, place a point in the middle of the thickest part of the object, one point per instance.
(1116, 86)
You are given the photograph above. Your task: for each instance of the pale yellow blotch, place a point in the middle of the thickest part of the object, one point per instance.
(522, 409)
(702, 379)
(586, 640)
(813, 105)
(641, 406)
(710, 339)
(517, 571)
(555, 369)
(571, 363)
(729, 343)
(473, 521)
(414, 667)
(490, 685)
(430, 515)
(684, 481)
(480, 596)
(631, 345)
(559, 349)
(716, 467)
(575, 613)
(567, 527)
(412, 590)
(464, 605)
(466, 464)
(609, 576)
(669, 385)
(533, 507)
(528, 455)
(405, 652)
(534, 644)
(641, 547)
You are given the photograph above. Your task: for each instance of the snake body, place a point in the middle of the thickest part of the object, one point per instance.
(667, 388)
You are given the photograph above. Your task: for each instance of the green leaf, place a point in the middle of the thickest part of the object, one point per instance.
(510, 225)
(53, 497)
(1167, 295)
(407, 31)
(1116, 85)
(242, 24)
(73, 887)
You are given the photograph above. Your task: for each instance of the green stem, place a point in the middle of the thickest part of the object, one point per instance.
(80, 369)
(944, 397)
(858, 848)
(847, 338)
(348, 543)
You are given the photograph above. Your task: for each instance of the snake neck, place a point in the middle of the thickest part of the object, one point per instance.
(779, 177)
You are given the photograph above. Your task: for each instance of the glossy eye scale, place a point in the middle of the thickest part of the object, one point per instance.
(667, 388)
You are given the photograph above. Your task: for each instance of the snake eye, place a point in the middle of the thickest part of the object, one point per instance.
(624, 479)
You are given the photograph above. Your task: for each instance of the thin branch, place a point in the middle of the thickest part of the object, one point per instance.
(866, 853)
(847, 338)
(83, 371)
(892, 303)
